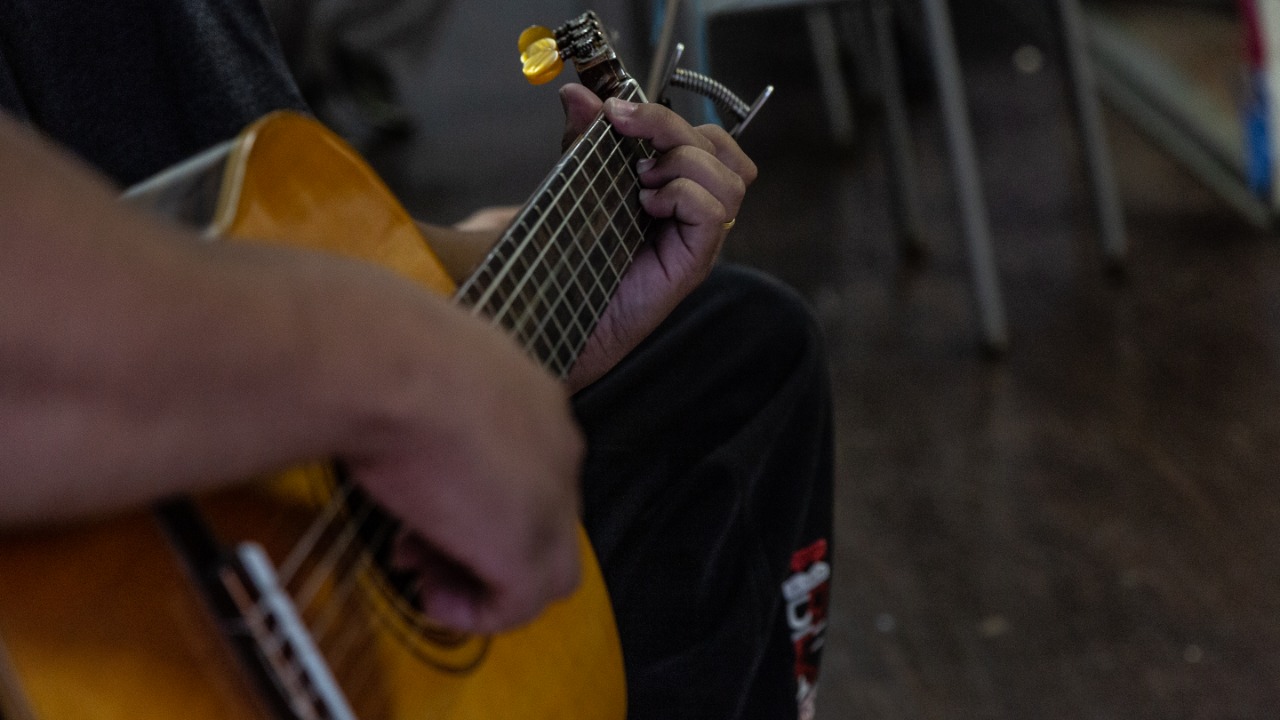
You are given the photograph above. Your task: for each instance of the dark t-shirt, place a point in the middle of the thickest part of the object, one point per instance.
(134, 86)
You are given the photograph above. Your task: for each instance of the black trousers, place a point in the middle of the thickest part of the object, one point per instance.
(708, 497)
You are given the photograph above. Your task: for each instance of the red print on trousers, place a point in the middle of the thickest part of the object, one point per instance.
(806, 593)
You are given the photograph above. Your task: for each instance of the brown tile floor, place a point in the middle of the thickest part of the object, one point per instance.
(1088, 527)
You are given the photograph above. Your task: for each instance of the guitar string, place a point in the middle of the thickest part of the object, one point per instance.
(337, 553)
(341, 651)
(517, 249)
(342, 552)
(498, 314)
(567, 340)
(276, 642)
(342, 593)
(560, 315)
(313, 583)
(567, 255)
(352, 554)
(612, 170)
(583, 230)
(630, 91)
(292, 675)
(330, 518)
(363, 679)
(573, 332)
(338, 648)
(341, 561)
(572, 345)
(329, 557)
(325, 521)
(339, 639)
(339, 596)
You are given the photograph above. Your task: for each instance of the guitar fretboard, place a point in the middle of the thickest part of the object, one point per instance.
(551, 274)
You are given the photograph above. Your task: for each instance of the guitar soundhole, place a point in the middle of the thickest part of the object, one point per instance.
(396, 591)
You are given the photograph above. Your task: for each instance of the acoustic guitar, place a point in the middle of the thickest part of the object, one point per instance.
(276, 598)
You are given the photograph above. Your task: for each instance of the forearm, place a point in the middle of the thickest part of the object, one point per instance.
(462, 246)
(137, 361)
(108, 403)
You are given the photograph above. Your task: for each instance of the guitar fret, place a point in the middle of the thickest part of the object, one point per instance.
(541, 206)
(569, 336)
(566, 260)
(562, 283)
(504, 250)
(542, 319)
(588, 294)
(575, 314)
(551, 275)
(575, 292)
(521, 278)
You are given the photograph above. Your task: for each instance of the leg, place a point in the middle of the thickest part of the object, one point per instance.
(707, 488)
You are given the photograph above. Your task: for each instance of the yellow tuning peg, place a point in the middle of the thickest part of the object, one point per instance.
(539, 54)
(531, 35)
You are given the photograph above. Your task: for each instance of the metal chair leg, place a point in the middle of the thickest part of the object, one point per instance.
(964, 169)
(821, 23)
(898, 143)
(1089, 116)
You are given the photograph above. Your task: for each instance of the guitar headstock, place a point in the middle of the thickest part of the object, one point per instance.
(582, 40)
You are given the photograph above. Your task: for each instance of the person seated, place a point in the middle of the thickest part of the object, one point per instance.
(692, 437)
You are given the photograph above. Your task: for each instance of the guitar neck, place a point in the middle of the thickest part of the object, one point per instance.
(551, 274)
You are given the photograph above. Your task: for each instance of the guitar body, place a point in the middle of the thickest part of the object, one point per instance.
(103, 619)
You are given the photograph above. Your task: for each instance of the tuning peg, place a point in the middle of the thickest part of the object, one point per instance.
(532, 34)
(540, 55)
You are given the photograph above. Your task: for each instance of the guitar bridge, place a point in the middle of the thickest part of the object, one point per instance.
(261, 623)
(299, 673)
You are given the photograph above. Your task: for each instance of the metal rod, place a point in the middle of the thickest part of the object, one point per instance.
(826, 55)
(966, 178)
(1089, 115)
(898, 144)
(657, 64)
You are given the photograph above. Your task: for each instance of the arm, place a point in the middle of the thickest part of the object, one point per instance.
(136, 362)
(461, 247)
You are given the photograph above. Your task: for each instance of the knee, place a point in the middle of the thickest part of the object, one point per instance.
(773, 329)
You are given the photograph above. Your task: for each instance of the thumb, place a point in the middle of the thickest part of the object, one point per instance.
(581, 106)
